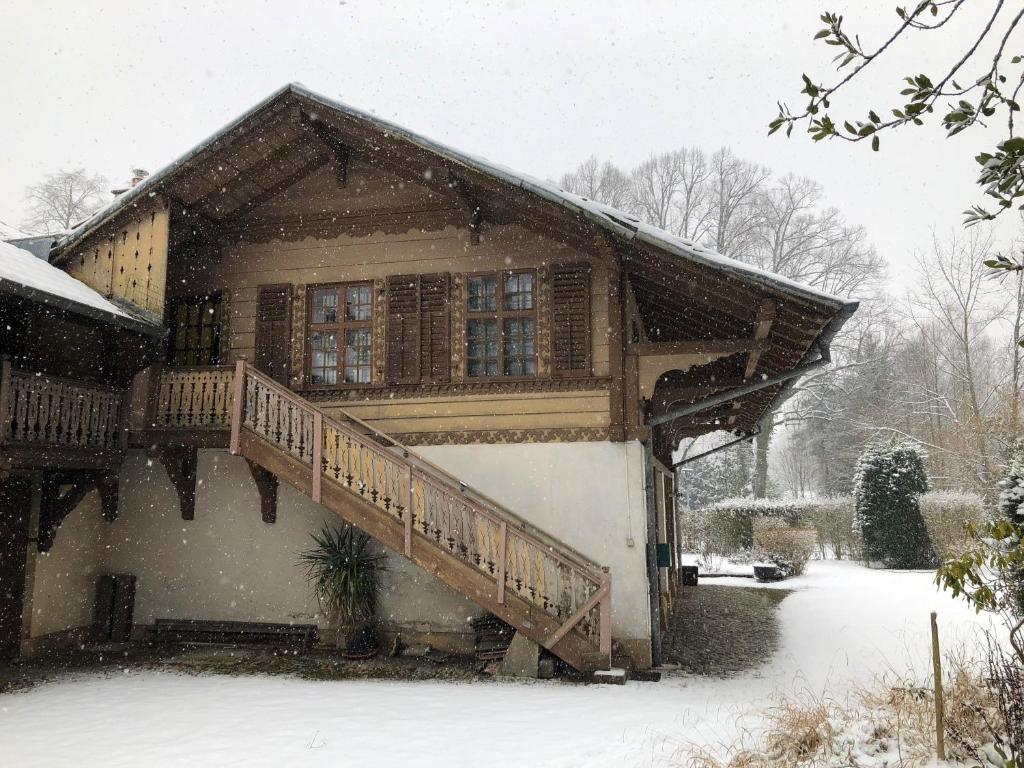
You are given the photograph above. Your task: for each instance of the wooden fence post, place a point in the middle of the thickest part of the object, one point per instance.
(940, 713)
(408, 511)
(236, 407)
(502, 548)
(605, 638)
(5, 396)
(318, 447)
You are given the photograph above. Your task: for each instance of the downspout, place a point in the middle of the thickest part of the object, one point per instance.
(654, 583)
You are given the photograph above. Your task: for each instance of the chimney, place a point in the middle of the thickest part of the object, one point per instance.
(138, 174)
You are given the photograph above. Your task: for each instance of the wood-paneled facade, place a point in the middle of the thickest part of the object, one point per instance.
(317, 269)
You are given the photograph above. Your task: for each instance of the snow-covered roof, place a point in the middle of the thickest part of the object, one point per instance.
(24, 274)
(619, 223)
(10, 232)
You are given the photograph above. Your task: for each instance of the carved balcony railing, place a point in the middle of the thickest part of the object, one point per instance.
(196, 398)
(433, 508)
(40, 411)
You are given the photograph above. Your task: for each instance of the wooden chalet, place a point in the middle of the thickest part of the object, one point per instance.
(485, 373)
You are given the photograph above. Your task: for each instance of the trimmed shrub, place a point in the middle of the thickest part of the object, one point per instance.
(726, 529)
(946, 515)
(889, 480)
(783, 545)
(833, 522)
(728, 525)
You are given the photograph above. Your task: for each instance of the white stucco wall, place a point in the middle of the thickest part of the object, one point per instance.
(64, 579)
(229, 564)
(589, 495)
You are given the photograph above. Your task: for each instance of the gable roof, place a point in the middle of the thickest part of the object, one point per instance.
(618, 223)
(25, 275)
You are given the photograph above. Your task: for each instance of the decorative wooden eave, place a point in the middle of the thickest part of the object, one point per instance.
(682, 291)
(657, 358)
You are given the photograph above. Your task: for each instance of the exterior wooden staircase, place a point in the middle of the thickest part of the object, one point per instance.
(543, 588)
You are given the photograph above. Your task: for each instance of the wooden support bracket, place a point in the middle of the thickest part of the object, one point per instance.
(181, 463)
(266, 484)
(61, 493)
(765, 318)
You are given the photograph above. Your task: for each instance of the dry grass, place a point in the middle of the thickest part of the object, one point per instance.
(889, 723)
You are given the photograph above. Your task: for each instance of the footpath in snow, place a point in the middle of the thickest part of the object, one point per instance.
(843, 625)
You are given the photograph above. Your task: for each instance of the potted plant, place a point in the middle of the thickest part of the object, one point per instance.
(345, 573)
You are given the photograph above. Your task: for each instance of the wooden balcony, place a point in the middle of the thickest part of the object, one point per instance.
(48, 421)
(188, 406)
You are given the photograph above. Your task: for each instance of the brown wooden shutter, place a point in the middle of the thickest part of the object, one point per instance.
(435, 327)
(418, 328)
(570, 320)
(402, 329)
(274, 331)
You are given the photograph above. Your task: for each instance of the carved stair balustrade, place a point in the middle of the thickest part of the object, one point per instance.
(540, 585)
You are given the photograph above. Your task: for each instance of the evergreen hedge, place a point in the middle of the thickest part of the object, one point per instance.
(889, 481)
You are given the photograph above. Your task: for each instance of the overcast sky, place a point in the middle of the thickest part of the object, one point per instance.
(108, 86)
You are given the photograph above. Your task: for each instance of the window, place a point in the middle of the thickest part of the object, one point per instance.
(195, 330)
(501, 325)
(341, 314)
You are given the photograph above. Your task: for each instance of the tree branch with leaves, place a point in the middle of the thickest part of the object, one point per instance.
(972, 87)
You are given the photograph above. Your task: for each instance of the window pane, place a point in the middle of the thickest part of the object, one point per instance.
(358, 303)
(325, 305)
(519, 347)
(483, 291)
(324, 362)
(358, 354)
(482, 348)
(519, 291)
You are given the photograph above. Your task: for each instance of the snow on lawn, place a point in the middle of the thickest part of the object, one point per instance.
(841, 626)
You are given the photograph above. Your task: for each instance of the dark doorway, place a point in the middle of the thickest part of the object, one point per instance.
(15, 513)
(274, 332)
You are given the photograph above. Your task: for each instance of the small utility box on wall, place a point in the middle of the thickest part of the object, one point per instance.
(115, 606)
(664, 555)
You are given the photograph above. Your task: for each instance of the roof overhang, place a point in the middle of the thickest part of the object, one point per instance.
(63, 304)
(292, 120)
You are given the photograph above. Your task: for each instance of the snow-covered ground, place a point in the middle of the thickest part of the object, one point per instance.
(843, 625)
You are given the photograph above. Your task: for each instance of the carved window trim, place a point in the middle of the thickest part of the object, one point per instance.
(341, 326)
(499, 315)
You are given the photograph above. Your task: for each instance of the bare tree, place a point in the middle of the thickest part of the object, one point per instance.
(953, 311)
(63, 199)
(735, 186)
(656, 184)
(602, 182)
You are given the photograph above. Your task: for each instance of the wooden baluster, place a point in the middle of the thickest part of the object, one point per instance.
(21, 411)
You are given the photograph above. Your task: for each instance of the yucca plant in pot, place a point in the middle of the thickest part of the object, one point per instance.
(345, 573)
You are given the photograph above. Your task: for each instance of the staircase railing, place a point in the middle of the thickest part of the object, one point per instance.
(50, 411)
(430, 504)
